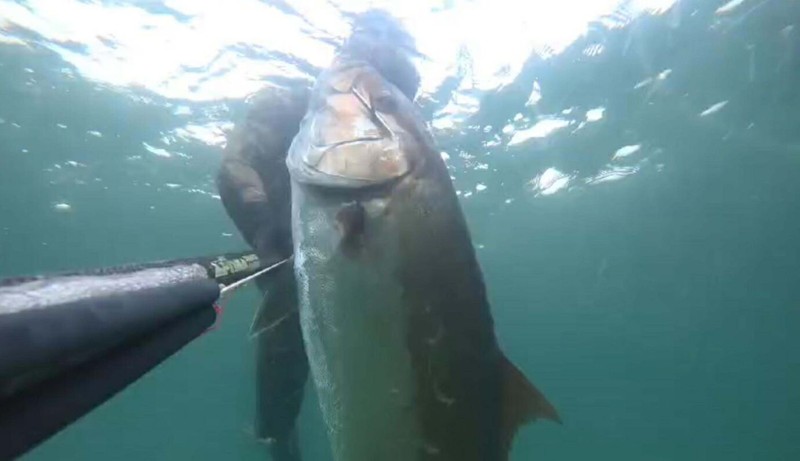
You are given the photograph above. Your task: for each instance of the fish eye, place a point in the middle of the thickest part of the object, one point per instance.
(385, 103)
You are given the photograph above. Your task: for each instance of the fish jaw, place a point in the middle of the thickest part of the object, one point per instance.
(345, 141)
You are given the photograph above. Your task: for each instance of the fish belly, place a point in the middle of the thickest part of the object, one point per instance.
(355, 330)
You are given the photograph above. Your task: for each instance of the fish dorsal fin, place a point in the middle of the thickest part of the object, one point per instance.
(522, 402)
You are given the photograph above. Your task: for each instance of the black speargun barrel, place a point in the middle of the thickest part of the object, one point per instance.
(71, 341)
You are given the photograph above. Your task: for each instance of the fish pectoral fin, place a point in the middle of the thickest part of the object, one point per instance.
(280, 301)
(350, 221)
(522, 402)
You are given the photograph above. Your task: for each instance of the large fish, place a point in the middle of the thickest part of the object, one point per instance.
(254, 187)
(393, 307)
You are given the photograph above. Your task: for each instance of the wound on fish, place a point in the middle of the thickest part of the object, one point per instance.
(351, 221)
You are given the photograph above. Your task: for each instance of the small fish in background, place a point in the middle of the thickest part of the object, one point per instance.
(253, 185)
(393, 309)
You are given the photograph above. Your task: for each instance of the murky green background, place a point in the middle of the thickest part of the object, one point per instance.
(643, 259)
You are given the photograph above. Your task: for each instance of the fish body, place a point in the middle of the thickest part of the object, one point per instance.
(254, 187)
(393, 307)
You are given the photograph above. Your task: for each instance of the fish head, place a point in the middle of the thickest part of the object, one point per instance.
(360, 131)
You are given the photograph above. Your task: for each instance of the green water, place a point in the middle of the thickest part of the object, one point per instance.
(655, 296)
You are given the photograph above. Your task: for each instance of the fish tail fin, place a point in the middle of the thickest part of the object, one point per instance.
(522, 402)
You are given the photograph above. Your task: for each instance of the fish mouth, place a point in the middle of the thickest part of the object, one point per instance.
(359, 162)
(364, 139)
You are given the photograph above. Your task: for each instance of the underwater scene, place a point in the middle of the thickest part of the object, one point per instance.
(521, 230)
